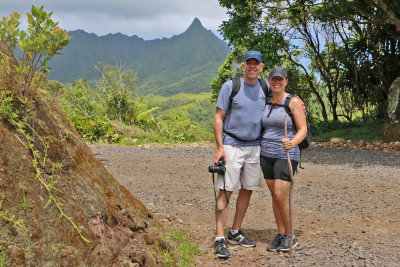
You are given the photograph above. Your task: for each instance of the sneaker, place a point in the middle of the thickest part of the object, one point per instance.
(220, 249)
(285, 243)
(240, 239)
(274, 243)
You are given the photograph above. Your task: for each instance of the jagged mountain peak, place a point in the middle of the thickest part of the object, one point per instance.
(195, 26)
(183, 63)
(196, 22)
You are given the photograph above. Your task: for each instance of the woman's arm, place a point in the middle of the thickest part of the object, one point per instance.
(297, 108)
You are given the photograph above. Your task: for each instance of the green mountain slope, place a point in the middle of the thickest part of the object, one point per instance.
(168, 66)
(196, 107)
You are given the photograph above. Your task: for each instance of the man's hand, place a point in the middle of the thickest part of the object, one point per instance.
(219, 154)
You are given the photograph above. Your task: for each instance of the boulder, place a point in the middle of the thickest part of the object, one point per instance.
(392, 126)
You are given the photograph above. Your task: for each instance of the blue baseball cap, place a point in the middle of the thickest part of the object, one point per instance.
(253, 54)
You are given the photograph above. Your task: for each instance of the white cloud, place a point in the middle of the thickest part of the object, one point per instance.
(148, 19)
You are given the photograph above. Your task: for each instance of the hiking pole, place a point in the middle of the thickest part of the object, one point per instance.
(290, 191)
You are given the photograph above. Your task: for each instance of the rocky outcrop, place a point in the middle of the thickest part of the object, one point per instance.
(59, 206)
(392, 127)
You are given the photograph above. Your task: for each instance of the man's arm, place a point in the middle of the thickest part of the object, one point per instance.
(218, 129)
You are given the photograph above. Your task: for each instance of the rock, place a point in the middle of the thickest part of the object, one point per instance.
(392, 127)
(336, 140)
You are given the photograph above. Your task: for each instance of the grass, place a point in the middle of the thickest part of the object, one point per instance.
(26, 202)
(3, 259)
(3, 256)
(368, 131)
(179, 250)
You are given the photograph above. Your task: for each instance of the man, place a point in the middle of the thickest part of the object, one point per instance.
(237, 128)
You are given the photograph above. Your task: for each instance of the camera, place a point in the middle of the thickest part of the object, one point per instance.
(219, 168)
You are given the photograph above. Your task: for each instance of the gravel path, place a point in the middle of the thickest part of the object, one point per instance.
(345, 204)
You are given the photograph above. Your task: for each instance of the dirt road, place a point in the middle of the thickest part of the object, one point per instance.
(345, 203)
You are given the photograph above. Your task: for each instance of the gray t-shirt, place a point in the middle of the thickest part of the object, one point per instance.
(271, 143)
(243, 119)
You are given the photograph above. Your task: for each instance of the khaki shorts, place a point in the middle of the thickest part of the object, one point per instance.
(242, 168)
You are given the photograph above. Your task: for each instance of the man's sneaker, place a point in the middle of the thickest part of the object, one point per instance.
(240, 239)
(274, 243)
(220, 249)
(285, 243)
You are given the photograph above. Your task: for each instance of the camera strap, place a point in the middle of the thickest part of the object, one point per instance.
(215, 193)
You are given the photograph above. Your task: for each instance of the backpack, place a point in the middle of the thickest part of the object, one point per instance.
(307, 140)
(236, 87)
(235, 90)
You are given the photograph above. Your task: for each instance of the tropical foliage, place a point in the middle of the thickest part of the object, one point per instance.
(343, 54)
(108, 111)
(196, 107)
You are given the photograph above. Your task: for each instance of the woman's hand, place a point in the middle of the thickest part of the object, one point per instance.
(287, 143)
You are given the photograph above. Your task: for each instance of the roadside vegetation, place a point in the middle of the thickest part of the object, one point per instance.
(368, 131)
(105, 110)
(339, 81)
(341, 61)
(341, 56)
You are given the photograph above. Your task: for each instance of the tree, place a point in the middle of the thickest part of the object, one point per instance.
(230, 68)
(42, 40)
(377, 11)
(116, 86)
(371, 46)
(244, 32)
(318, 40)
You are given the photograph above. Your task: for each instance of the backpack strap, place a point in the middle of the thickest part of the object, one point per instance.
(285, 105)
(265, 88)
(235, 88)
(237, 84)
(287, 108)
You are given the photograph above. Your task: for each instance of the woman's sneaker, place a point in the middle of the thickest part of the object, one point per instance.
(285, 243)
(274, 243)
(220, 249)
(240, 239)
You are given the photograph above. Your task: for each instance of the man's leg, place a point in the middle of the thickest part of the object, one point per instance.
(242, 204)
(236, 236)
(221, 213)
(220, 216)
(250, 180)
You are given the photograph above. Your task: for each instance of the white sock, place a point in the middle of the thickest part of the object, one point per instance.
(219, 238)
(234, 232)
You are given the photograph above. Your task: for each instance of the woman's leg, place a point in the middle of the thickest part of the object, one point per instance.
(281, 204)
(275, 207)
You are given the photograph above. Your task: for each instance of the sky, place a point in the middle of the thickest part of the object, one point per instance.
(148, 19)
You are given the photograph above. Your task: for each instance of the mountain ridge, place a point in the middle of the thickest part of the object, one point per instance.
(164, 66)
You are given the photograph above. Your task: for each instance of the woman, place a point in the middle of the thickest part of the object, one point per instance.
(273, 159)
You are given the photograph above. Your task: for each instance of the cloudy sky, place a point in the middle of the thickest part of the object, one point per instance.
(148, 19)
